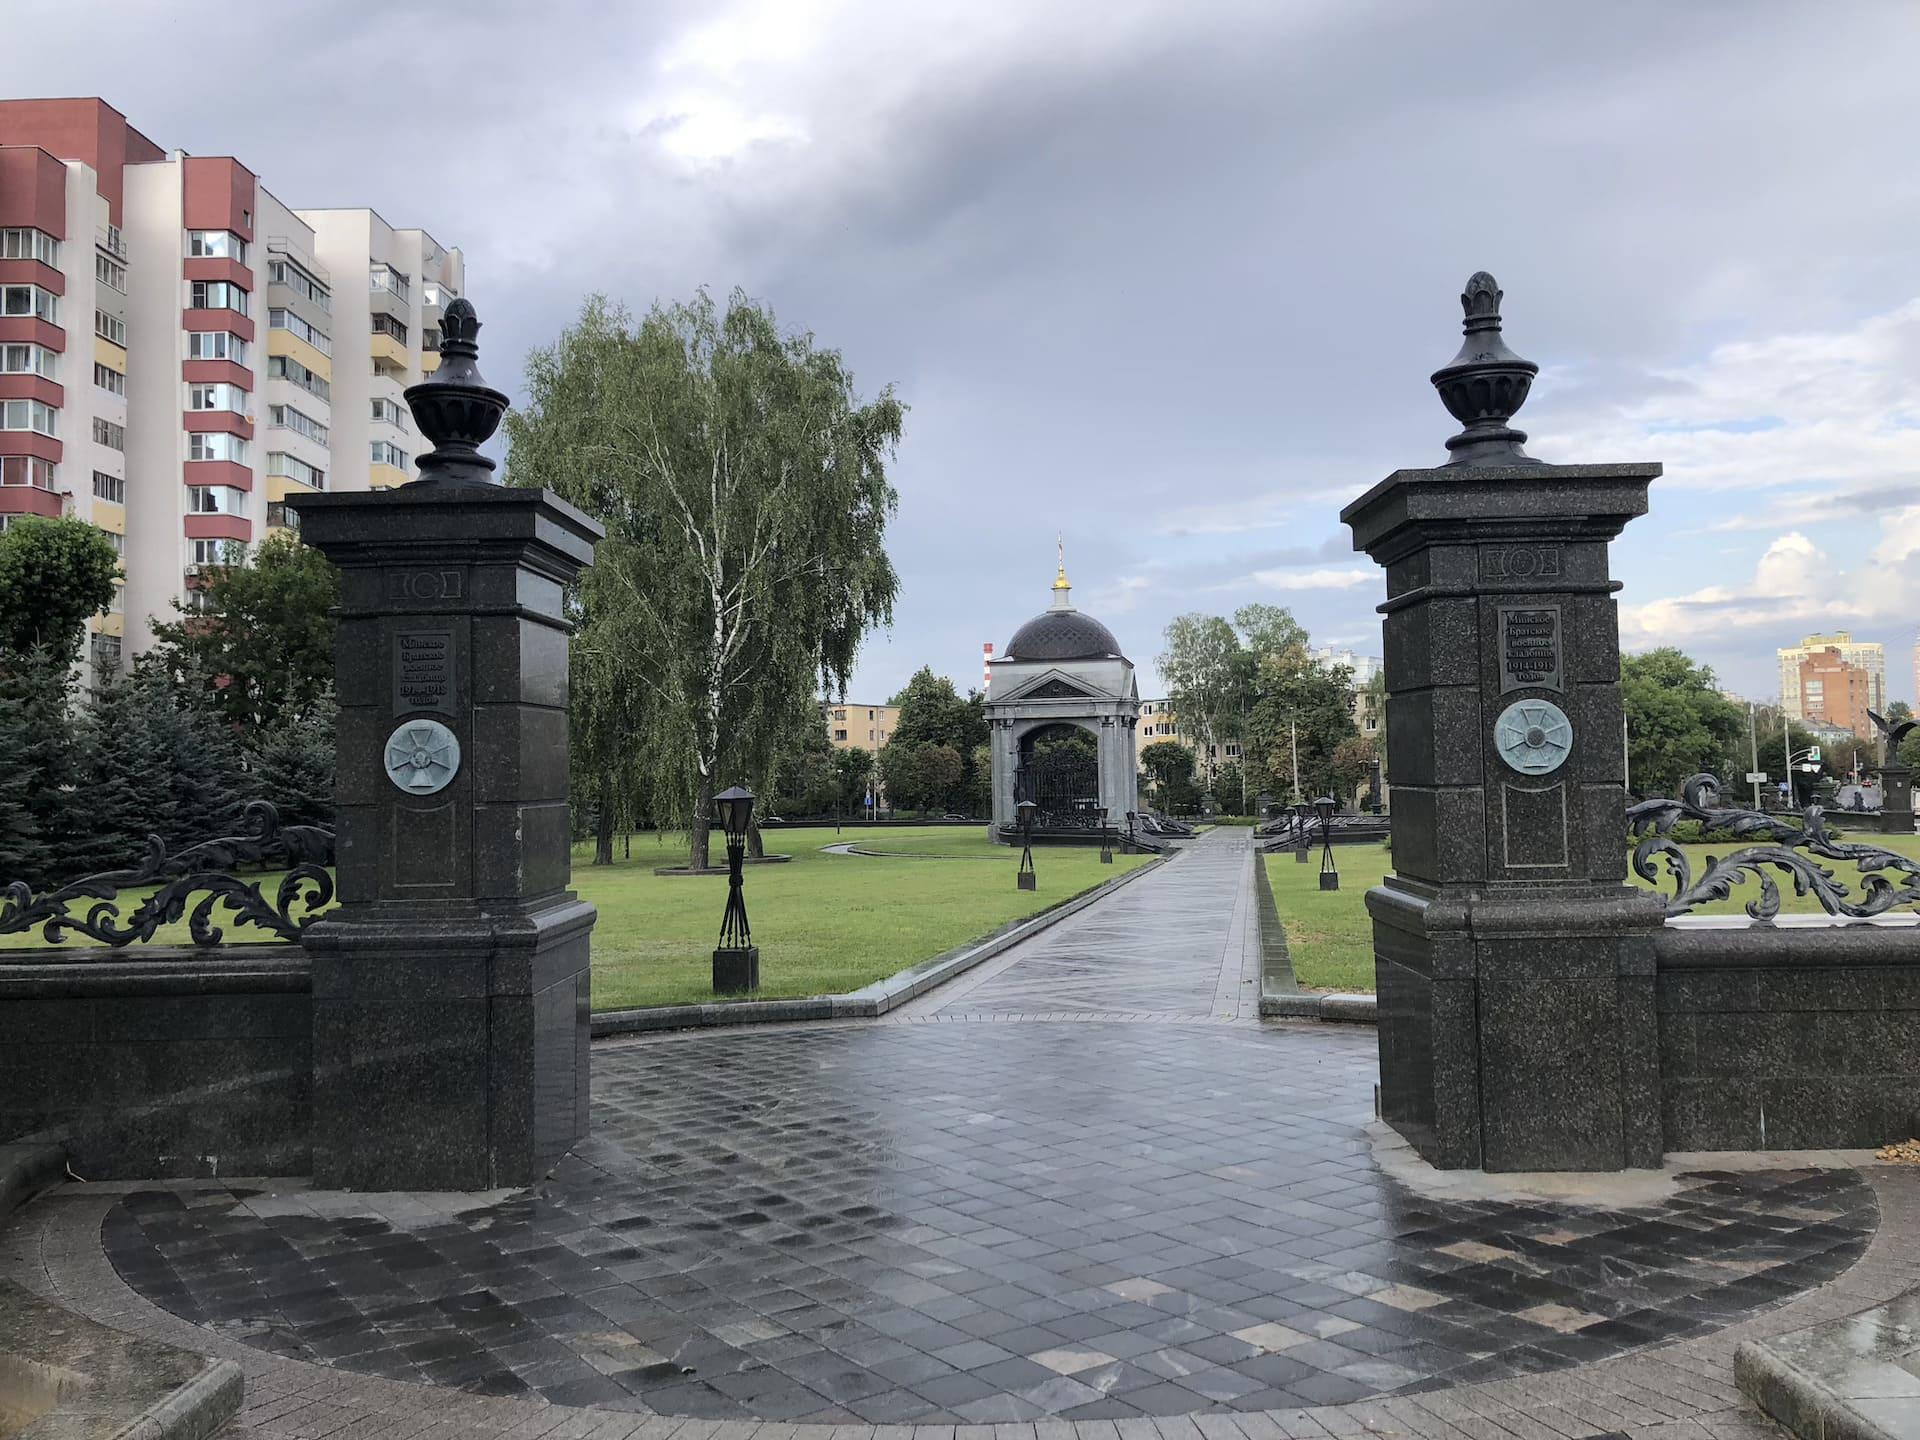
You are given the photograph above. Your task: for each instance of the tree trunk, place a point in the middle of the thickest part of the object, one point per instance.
(697, 850)
(756, 847)
(603, 824)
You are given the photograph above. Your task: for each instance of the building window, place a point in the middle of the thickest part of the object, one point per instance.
(106, 651)
(111, 381)
(430, 341)
(292, 467)
(285, 417)
(26, 359)
(296, 279)
(217, 295)
(216, 345)
(216, 445)
(386, 454)
(111, 488)
(110, 273)
(118, 605)
(387, 325)
(216, 500)
(394, 282)
(19, 242)
(30, 415)
(211, 552)
(216, 245)
(116, 540)
(391, 411)
(27, 470)
(110, 328)
(106, 433)
(840, 734)
(286, 320)
(438, 293)
(283, 367)
(279, 517)
(30, 300)
(221, 396)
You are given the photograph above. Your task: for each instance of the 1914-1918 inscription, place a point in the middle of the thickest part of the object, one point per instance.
(1529, 647)
(422, 671)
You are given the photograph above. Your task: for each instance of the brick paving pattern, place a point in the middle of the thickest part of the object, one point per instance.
(1122, 1231)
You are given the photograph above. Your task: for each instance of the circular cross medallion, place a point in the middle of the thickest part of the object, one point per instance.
(422, 757)
(1533, 736)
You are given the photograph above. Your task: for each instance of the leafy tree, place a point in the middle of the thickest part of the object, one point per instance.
(1678, 722)
(1352, 765)
(261, 645)
(978, 786)
(898, 767)
(1169, 766)
(1207, 674)
(1230, 788)
(744, 490)
(855, 768)
(54, 574)
(1304, 701)
(932, 712)
(941, 770)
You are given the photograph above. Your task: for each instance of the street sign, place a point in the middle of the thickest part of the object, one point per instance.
(1756, 777)
(1813, 754)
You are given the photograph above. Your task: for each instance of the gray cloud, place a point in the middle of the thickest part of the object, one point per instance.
(1125, 261)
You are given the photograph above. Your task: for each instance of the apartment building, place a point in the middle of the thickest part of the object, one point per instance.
(1868, 656)
(183, 356)
(1834, 692)
(850, 724)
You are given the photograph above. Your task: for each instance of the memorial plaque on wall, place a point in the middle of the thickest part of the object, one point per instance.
(422, 671)
(1530, 647)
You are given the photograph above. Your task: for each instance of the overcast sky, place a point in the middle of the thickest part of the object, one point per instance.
(1168, 279)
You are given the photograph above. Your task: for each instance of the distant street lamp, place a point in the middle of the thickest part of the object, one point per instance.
(1300, 814)
(1329, 877)
(1027, 879)
(736, 963)
(1106, 838)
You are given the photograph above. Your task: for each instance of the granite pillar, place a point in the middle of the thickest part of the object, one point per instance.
(1896, 798)
(451, 989)
(1515, 967)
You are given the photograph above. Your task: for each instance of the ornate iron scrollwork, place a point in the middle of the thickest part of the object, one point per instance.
(1699, 801)
(202, 870)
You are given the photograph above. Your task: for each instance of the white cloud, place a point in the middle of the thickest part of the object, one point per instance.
(1315, 579)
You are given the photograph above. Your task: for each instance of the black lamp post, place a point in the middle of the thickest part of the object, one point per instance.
(1301, 812)
(736, 963)
(1027, 880)
(1329, 877)
(1106, 839)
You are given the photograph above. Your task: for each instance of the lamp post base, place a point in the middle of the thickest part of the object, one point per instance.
(736, 971)
(1329, 880)
(1300, 855)
(1029, 881)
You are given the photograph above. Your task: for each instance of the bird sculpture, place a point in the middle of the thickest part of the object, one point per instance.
(1893, 731)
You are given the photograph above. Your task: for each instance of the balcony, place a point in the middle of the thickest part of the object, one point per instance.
(389, 355)
(109, 239)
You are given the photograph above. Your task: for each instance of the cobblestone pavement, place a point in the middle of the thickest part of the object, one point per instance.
(1004, 1210)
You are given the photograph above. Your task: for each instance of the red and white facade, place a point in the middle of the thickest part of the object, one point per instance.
(167, 351)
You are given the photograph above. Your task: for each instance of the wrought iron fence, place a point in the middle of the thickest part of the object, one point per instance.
(1792, 843)
(203, 870)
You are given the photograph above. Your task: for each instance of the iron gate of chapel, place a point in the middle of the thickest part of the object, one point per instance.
(1064, 782)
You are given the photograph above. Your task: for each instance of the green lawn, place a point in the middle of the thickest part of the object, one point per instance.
(1330, 935)
(824, 923)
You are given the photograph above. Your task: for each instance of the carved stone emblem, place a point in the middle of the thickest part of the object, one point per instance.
(1533, 736)
(423, 756)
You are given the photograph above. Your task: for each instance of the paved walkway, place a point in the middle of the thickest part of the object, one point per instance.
(1083, 1194)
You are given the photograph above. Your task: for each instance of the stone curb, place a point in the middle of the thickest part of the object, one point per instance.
(1306, 1005)
(26, 1170)
(1828, 1382)
(868, 1002)
(196, 1410)
(1281, 997)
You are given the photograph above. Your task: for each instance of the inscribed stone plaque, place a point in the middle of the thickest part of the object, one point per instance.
(422, 671)
(1529, 647)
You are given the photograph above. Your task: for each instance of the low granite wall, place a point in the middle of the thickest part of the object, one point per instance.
(1786, 1037)
(161, 1063)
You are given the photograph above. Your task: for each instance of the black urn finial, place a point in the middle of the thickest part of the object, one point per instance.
(455, 409)
(1485, 384)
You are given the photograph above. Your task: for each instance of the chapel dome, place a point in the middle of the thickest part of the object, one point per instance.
(1062, 635)
(1061, 632)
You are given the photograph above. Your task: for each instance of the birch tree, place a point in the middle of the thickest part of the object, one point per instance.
(743, 485)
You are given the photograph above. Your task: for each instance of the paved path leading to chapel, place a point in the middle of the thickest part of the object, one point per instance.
(1081, 1194)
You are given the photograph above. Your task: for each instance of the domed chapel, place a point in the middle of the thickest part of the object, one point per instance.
(1062, 675)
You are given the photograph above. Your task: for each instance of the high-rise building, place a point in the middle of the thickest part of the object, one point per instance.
(1835, 692)
(204, 395)
(1867, 655)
